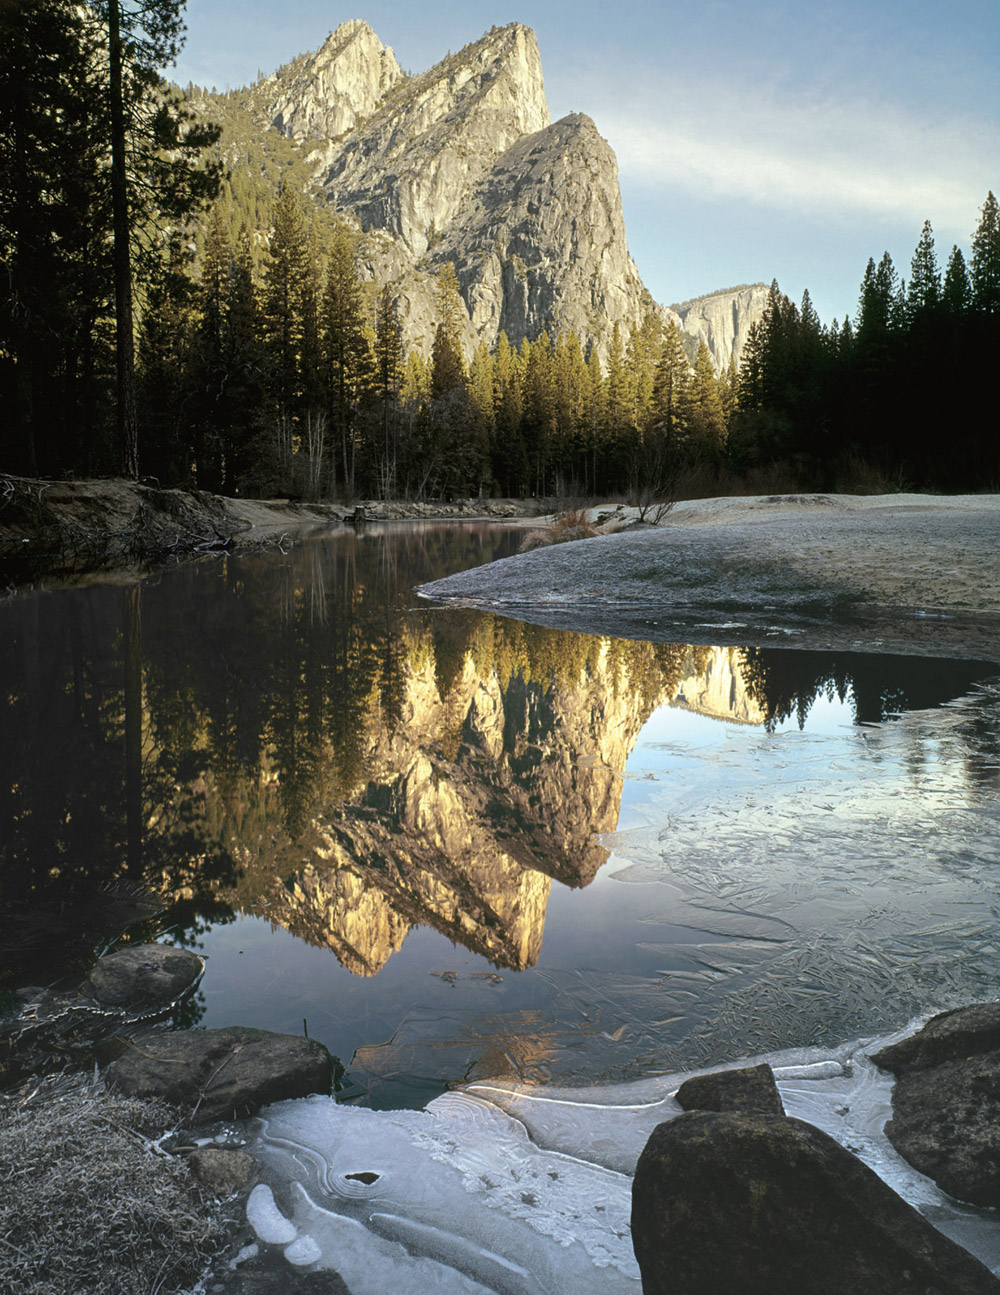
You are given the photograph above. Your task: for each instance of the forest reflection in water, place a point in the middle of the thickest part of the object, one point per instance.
(358, 808)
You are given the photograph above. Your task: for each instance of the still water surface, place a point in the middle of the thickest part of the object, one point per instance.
(450, 845)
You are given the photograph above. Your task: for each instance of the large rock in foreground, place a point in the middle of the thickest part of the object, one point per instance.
(730, 1204)
(946, 1103)
(222, 1074)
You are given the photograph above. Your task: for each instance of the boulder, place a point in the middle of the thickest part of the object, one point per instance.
(946, 1102)
(221, 1074)
(949, 1036)
(750, 1089)
(144, 976)
(736, 1204)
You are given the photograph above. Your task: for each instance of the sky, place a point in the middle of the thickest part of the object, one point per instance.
(756, 139)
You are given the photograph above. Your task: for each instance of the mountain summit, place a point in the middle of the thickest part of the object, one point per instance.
(462, 164)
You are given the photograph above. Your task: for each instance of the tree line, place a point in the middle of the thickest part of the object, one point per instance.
(293, 378)
(268, 360)
(102, 168)
(904, 392)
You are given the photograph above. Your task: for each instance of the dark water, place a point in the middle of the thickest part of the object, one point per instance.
(451, 845)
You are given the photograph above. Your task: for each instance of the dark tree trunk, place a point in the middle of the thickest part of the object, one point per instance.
(128, 434)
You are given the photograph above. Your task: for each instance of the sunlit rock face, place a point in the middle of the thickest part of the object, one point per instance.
(719, 690)
(474, 803)
(410, 167)
(552, 199)
(322, 95)
(461, 164)
(722, 320)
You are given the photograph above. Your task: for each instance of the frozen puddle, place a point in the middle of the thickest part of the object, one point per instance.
(456, 1198)
(525, 1190)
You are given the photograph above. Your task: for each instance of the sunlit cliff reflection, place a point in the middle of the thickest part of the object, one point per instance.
(285, 737)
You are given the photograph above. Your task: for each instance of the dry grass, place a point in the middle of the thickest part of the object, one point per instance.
(572, 524)
(87, 1204)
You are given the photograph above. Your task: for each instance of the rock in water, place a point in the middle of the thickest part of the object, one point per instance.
(750, 1089)
(222, 1074)
(731, 1204)
(144, 976)
(946, 1103)
(949, 1036)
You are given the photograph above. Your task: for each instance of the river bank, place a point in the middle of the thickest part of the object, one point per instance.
(884, 573)
(55, 529)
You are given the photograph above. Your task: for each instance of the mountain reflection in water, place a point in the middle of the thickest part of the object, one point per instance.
(286, 738)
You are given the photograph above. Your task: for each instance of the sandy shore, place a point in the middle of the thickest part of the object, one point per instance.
(905, 573)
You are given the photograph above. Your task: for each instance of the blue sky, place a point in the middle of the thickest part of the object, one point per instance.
(756, 139)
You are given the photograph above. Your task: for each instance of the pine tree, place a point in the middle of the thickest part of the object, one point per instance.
(956, 296)
(985, 262)
(54, 263)
(154, 145)
(285, 273)
(924, 291)
(447, 360)
(508, 453)
(344, 348)
(706, 414)
(388, 358)
(672, 390)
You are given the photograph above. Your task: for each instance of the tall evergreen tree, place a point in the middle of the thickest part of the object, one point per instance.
(706, 415)
(54, 268)
(956, 295)
(924, 291)
(388, 378)
(154, 145)
(447, 360)
(985, 263)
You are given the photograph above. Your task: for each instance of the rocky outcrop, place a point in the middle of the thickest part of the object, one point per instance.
(144, 976)
(221, 1074)
(946, 1102)
(461, 164)
(323, 95)
(411, 166)
(722, 320)
(753, 1203)
(541, 241)
(51, 1029)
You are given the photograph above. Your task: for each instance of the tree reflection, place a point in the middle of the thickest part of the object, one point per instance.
(289, 735)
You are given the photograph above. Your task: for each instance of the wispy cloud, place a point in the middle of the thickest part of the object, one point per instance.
(816, 158)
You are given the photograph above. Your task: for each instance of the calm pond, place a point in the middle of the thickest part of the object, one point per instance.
(450, 845)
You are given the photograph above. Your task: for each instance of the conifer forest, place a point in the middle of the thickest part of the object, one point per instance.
(166, 315)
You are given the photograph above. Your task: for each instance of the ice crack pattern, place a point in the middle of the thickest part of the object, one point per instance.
(844, 878)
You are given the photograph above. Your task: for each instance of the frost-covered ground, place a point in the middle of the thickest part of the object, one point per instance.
(916, 573)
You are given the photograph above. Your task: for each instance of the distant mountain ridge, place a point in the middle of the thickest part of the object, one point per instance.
(462, 163)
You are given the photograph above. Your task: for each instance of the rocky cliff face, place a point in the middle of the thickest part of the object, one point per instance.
(722, 319)
(461, 164)
(323, 95)
(719, 690)
(550, 200)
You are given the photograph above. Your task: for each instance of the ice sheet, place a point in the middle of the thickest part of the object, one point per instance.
(525, 1190)
(454, 1198)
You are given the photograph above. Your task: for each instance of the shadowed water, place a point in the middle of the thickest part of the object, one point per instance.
(452, 846)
